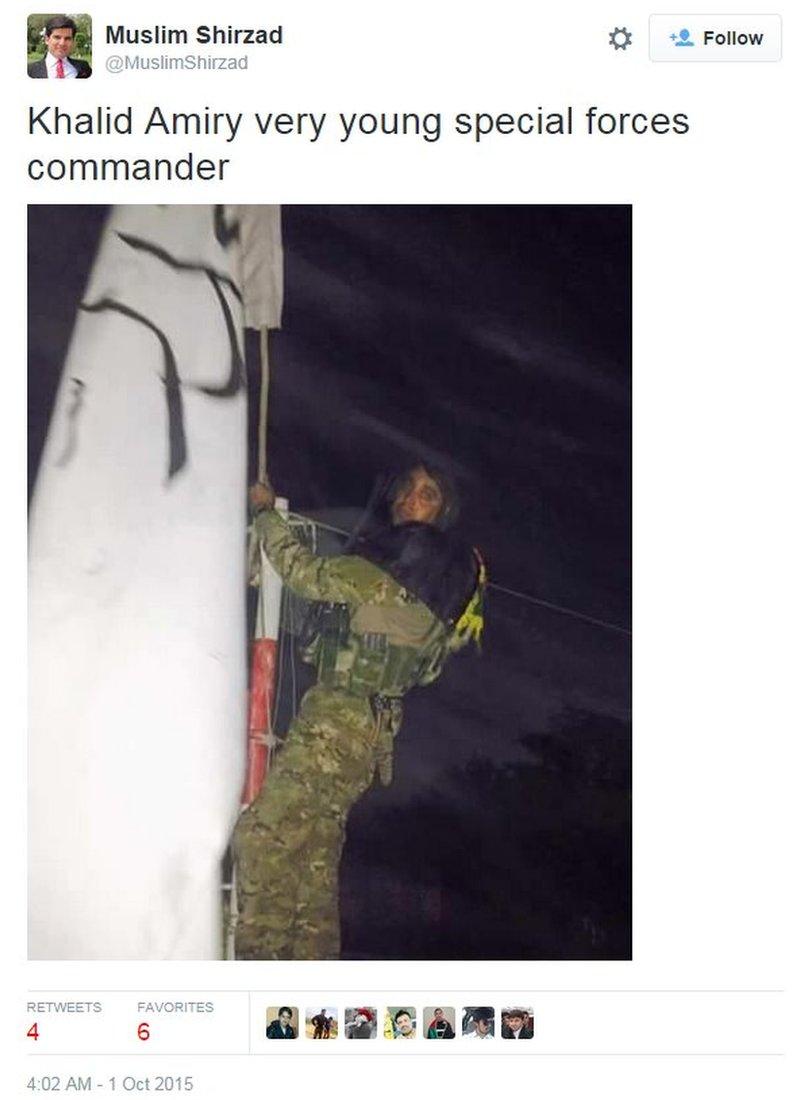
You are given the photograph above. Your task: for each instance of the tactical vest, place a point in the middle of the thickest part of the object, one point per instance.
(368, 664)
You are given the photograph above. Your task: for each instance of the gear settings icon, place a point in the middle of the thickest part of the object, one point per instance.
(620, 38)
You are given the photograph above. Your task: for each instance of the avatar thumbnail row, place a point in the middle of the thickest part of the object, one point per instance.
(399, 1022)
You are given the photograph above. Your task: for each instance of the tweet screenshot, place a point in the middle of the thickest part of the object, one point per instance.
(401, 598)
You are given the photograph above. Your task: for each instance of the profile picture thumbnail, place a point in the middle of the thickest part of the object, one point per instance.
(440, 1023)
(360, 1023)
(322, 1023)
(516, 1023)
(400, 1022)
(478, 1022)
(282, 1022)
(59, 47)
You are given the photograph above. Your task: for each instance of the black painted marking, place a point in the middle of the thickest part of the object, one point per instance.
(178, 265)
(236, 377)
(171, 380)
(224, 233)
(72, 428)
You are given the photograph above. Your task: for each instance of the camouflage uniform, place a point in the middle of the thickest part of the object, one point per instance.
(288, 844)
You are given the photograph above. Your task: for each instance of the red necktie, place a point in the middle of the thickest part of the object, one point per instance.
(60, 69)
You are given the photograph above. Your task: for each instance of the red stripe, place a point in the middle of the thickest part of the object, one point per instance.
(262, 702)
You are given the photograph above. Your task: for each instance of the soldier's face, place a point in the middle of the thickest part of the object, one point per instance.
(419, 499)
(60, 42)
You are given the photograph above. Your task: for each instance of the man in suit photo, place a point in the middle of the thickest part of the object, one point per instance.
(517, 1024)
(59, 38)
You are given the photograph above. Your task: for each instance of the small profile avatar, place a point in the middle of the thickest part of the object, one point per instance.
(478, 1022)
(360, 1023)
(516, 1023)
(400, 1023)
(684, 38)
(441, 1023)
(322, 1023)
(66, 40)
(281, 1023)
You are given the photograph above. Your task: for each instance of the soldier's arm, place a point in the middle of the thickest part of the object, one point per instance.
(307, 574)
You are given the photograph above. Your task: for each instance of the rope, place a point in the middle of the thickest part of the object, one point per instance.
(509, 591)
(558, 607)
(263, 403)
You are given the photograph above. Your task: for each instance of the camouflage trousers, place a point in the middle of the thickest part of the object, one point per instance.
(288, 844)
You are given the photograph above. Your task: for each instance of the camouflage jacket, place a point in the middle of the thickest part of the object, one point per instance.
(378, 606)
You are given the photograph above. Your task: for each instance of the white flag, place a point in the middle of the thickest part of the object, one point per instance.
(137, 581)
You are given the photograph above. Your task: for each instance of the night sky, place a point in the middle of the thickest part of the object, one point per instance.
(494, 341)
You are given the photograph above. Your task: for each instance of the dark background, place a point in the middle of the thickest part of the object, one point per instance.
(494, 341)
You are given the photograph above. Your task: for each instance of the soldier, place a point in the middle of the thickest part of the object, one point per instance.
(407, 595)
(319, 1021)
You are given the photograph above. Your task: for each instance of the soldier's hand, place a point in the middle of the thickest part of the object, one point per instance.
(262, 495)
